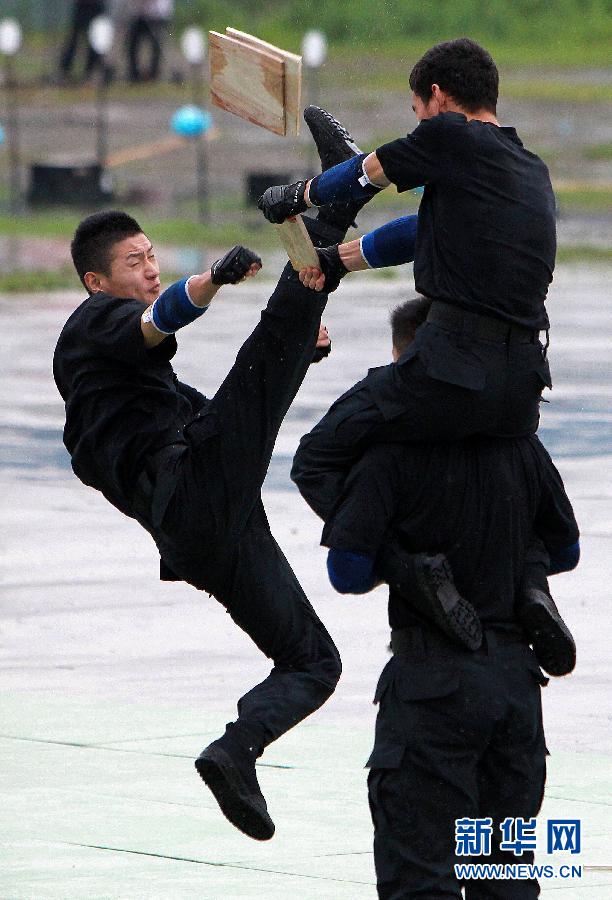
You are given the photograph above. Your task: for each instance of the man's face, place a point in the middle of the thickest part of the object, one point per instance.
(424, 110)
(134, 271)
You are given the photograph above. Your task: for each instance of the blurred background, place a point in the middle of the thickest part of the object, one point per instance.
(119, 115)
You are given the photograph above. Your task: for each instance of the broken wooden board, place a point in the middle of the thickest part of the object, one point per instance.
(255, 80)
(296, 241)
(293, 78)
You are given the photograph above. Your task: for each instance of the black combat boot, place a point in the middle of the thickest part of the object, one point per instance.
(334, 145)
(548, 634)
(229, 771)
(428, 586)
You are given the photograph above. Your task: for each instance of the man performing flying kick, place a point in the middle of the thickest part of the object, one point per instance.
(190, 469)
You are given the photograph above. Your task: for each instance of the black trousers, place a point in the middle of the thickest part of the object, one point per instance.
(83, 15)
(207, 518)
(458, 735)
(448, 385)
(143, 31)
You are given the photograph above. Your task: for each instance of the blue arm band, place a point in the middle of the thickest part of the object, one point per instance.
(564, 560)
(173, 309)
(342, 182)
(391, 244)
(351, 573)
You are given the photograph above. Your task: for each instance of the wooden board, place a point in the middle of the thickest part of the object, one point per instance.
(255, 80)
(247, 81)
(293, 78)
(296, 241)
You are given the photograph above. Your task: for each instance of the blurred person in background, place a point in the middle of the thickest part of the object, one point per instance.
(83, 13)
(148, 26)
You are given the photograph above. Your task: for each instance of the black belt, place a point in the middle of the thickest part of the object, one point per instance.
(452, 318)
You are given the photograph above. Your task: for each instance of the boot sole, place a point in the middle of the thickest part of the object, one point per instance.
(551, 639)
(323, 126)
(222, 778)
(453, 614)
(461, 622)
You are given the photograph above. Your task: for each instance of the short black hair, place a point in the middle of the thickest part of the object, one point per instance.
(95, 237)
(463, 69)
(405, 319)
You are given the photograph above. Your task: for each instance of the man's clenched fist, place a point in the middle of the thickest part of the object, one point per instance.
(283, 200)
(331, 270)
(234, 266)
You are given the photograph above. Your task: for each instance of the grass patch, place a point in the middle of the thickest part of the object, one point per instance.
(584, 254)
(41, 225)
(48, 224)
(590, 199)
(557, 90)
(32, 281)
(599, 151)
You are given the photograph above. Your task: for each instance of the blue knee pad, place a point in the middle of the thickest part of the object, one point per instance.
(342, 182)
(392, 244)
(173, 308)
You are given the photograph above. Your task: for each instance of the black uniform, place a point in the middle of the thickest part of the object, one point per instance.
(190, 471)
(485, 251)
(486, 227)
(458, 734)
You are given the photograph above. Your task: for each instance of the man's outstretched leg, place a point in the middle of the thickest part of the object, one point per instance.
(249, 407)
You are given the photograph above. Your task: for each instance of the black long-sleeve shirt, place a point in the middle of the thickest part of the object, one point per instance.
(123, 401)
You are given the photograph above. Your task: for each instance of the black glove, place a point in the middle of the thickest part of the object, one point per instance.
(332, 267)
(320, 353)
(232, 267)
(283, 200)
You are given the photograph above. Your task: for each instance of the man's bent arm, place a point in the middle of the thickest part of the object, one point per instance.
(186, 300)
(354, 179)
(564, 560)
(319, 471)
(351, 573)
(162, 317)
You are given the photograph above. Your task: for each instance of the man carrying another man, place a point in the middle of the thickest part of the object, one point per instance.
(459, 732)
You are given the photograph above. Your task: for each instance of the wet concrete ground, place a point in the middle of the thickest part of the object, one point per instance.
(112, 682)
